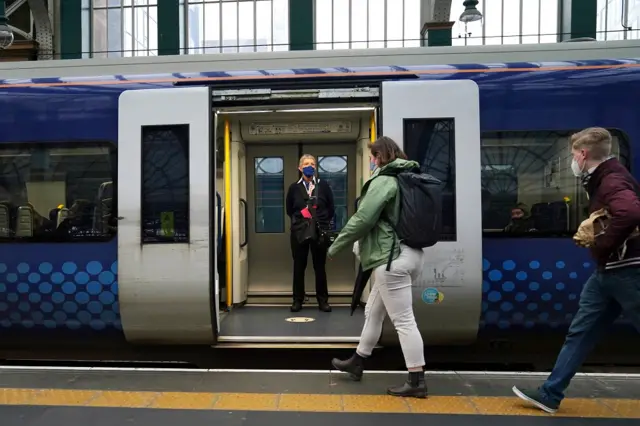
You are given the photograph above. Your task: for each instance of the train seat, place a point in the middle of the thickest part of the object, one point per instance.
(550, 217)
(63, 214)
(5, 220)
(24, 222)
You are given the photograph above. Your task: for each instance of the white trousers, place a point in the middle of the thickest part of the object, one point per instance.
(391, 293)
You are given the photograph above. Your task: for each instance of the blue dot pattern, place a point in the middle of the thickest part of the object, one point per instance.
(72, 295)
(531, 284)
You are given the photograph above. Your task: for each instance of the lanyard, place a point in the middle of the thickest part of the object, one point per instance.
(309, 187)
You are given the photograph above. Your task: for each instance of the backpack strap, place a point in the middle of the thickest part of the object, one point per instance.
(393, 249)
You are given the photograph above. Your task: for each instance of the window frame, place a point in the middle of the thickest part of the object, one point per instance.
(621, 135)
(65, 144)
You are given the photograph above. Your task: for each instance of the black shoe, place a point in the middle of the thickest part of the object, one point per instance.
(415, 386)
(324, 306)
(296, 306)
(354, 366)
(537, 399)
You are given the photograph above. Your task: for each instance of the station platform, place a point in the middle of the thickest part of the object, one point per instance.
(39, 396)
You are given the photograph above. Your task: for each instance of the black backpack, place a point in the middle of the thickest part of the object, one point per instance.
(420, 220)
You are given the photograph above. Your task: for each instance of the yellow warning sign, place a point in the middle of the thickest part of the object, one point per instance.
(167, 223)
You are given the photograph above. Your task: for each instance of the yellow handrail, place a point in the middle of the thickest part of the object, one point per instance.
(227, 212)
(372, 125)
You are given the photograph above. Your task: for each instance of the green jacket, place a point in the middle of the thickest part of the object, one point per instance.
(375, 236)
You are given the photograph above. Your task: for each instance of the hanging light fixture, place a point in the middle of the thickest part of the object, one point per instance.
(471, 12)
(6, 34)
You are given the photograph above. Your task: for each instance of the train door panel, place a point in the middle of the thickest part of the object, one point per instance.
(271, 169)
(239, 214)
(438, 124)
(165, 253)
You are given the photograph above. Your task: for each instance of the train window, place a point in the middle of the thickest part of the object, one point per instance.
(57, 192)
(528, 188)
(333, 169)
(269, 184)
(165, 184)
(431, 142)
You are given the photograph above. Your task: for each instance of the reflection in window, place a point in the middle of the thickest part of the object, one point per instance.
(431, 142)
(367, 24)
(507, 22)
(57, 192)
(122, 28)
(165, 184)
(527, 184)
(213, 26)
(333, 169)
(270, 213)
(609, 20)
(119, 28)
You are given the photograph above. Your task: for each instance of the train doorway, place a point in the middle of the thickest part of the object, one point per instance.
(264, 149)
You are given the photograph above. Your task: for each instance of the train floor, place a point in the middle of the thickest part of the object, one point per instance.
(41, 396)
(279, 324)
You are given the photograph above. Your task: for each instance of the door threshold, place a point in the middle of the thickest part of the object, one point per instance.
(304, 340)
(258, 345)
(286, 305)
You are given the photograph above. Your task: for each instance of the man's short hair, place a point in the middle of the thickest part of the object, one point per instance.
(595, 140)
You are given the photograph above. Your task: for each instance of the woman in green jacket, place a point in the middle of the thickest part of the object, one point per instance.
(391, 293)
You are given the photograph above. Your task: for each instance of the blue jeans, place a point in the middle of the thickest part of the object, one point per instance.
(604, 297)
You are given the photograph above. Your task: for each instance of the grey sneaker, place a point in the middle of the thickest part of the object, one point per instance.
(536, 399)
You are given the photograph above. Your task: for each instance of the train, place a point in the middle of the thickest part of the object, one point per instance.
(142, 200)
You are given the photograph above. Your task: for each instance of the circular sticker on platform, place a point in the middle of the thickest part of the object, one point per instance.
(432, 295)
(300, 319)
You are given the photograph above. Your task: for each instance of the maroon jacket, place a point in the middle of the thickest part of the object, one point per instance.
(612, 186)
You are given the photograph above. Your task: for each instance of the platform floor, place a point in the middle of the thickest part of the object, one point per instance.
(278, 323)
(52, 397)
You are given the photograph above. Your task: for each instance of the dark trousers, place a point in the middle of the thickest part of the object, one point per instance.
(604, 297)
(300, 252)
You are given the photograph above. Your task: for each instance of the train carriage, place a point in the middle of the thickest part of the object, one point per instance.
(149, 208)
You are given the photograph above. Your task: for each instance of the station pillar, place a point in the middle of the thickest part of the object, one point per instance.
(169, 27)
(69, 29)
(301, 25)
(578, 18)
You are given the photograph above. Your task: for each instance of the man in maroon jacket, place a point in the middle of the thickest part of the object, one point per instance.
(614, 287)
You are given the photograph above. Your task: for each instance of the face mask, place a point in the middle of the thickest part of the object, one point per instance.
(372, 165)
(575, 168)
(308, 171)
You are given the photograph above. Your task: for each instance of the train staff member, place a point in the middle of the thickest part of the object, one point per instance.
(391, 291)
(613, 288)
(311, 209)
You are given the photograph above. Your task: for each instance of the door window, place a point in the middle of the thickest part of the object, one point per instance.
(333, 169)
(269, 187)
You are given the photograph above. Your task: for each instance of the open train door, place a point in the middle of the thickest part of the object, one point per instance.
(437, 122)
(166, 196)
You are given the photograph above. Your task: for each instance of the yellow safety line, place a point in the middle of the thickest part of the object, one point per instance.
(469, 405)
(227, 212)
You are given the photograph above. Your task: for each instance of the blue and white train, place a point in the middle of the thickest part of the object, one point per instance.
(142, 200)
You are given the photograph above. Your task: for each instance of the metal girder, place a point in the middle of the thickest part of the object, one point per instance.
(20, 32)
(14, 6)
(44, 28)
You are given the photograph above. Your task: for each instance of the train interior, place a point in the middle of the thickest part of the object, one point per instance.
(264, 152)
